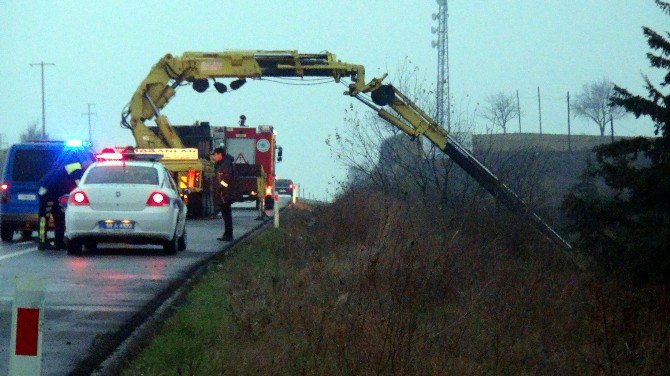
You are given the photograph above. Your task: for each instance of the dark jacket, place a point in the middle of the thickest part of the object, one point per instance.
(224, 193)
(62, 177)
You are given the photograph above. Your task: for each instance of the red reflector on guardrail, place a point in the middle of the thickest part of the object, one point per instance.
(27, 321)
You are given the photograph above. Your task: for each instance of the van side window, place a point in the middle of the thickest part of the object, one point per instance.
(32, 164)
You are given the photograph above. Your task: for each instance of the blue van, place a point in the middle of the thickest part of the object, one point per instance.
(25, 165)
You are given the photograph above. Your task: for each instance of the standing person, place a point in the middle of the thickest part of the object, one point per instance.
(61, 179)
(224, 189)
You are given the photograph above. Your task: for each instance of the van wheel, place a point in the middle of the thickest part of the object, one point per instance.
(6, 233)
(74, 247)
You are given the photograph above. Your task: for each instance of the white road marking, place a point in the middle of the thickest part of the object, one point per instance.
(92, 308)
(17, 254)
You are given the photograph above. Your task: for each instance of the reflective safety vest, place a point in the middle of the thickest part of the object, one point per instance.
(72, 167)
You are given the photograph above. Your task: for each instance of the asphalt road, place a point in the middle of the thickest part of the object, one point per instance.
(91, 298)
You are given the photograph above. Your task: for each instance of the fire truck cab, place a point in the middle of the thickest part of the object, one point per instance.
(253, 152)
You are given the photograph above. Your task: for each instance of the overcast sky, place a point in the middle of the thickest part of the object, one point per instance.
(103, 50)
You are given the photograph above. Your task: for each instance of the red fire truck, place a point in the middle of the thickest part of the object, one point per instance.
(253, 151)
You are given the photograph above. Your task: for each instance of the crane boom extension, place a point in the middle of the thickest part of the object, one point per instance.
(197, 67)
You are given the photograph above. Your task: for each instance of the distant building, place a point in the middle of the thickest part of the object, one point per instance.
(534, 164)
(512, 142)
(464, 138)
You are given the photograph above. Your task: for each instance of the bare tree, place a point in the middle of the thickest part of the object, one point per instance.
(32, 133)
(378, 155)
(594, 103)
(501, 108)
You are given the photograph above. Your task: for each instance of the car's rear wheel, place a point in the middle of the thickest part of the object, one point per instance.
(27, 234)
(182, 243)
(6, 233)
(170, 247)
(91, 246)
(74, 247)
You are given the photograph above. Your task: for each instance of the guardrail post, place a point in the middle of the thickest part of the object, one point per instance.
(276, 207)
(25, 355)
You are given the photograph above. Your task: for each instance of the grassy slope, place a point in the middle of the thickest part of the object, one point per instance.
(195, 339)
(369, 285)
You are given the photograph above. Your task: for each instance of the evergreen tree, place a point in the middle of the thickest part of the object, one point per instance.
(628, 222)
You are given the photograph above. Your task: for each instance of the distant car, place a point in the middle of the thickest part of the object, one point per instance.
(284, 187)
(25, 164)
(125, 201)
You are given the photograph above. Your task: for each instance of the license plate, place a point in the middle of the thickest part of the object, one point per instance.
(117, 225)
(27, 197)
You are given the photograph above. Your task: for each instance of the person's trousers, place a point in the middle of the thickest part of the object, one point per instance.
(50, 207)
(227, 214)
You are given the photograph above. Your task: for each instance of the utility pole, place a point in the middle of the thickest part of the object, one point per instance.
(518, 109)
(42, 64)
(539, 108)
(442, 45)
(569, 132)
(89, 113)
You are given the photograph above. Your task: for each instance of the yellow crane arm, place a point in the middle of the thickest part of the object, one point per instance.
(198, 67)
(415, 122)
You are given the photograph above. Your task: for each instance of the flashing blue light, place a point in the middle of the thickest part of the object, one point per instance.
(74, 143)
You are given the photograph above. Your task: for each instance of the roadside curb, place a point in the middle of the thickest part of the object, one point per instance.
(142, 334)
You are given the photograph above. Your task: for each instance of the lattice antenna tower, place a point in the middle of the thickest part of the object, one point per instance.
(443, 102)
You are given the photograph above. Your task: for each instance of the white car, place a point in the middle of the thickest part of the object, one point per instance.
(125, 201)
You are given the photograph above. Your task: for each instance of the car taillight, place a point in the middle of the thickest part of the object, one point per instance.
(78, 198)
(158, 199)
(5, 192)
(290, 186)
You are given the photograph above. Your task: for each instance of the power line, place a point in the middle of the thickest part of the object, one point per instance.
(42, 64)
(442, 45)
(539, 108)
(518, 109)
(89, 113)
(569, 130)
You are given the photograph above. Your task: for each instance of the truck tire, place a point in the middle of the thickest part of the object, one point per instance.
(269, 203)
(74, 247)
(207, 204)
(7, 233)
(195, 205)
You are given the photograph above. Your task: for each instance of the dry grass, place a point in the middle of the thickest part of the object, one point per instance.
(368, 285)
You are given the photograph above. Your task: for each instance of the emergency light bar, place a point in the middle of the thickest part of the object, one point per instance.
(109, 154)
(109, 157)
(75, 143)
